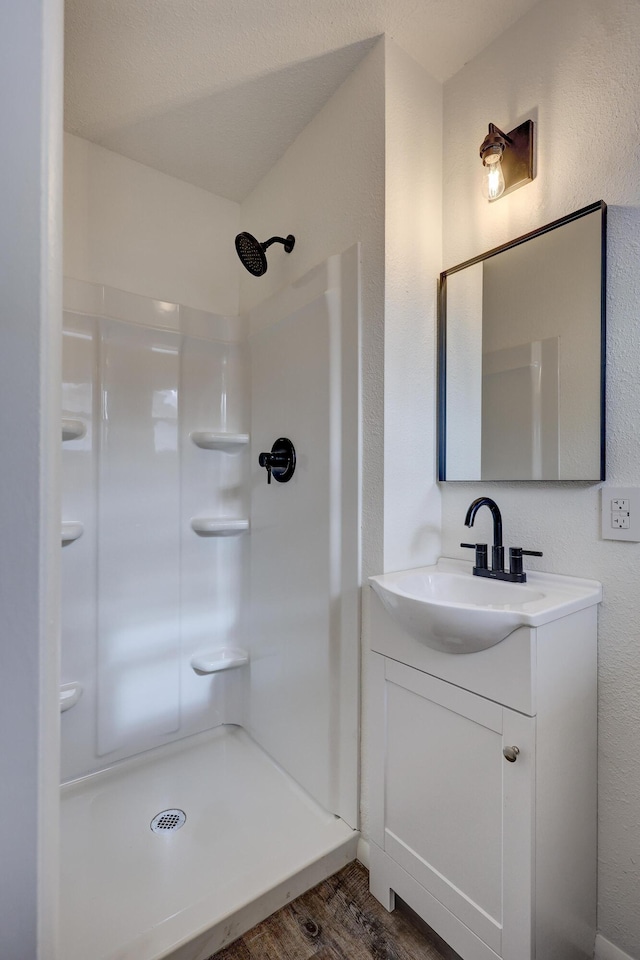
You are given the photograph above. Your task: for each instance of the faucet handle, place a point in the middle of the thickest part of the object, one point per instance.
(515, 558)
(481, 554)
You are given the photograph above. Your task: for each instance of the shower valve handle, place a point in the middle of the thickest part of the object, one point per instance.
(280, 462)
(265, 461)
(271, 460)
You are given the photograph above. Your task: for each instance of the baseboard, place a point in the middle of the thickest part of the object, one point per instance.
(605, 950)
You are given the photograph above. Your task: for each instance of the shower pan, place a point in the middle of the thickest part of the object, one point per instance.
(209, 683)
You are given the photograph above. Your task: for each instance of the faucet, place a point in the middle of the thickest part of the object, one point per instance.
(497, 551)
(515, 573)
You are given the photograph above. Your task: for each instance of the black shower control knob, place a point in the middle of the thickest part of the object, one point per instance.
(280, 462)
(265, 461)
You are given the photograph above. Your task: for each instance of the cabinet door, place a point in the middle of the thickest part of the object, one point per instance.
(458, 817)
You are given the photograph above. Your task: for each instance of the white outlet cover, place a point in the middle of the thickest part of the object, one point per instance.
(611, 509)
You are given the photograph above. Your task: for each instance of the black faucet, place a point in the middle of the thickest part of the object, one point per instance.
(515, 573)
(497, 551)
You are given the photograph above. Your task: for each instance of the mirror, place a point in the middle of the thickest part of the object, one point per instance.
(521, 357)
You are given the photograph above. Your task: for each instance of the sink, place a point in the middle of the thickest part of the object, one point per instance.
(445, 607)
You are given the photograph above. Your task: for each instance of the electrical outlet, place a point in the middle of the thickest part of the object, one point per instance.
(621, 513)
(620, 503)
(620, 521)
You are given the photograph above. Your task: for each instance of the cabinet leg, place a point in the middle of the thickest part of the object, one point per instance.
(383, 893)
(379, 878)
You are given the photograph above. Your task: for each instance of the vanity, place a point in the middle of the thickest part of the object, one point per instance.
(484, 676)
(485, 782)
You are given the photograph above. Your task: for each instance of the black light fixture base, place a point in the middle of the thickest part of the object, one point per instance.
(518, 158)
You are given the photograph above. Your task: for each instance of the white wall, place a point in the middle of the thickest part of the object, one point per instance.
(30, 263)
(413, 256)
(133, 228)
(573, 67)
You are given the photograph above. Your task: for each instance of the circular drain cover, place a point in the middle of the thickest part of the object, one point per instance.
(167, 821)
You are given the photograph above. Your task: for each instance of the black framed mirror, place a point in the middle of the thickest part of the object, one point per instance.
(521, 357)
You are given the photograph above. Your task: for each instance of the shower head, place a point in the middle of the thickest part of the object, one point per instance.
(252, 252)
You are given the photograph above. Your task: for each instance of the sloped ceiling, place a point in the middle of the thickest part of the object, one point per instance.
(214, 91)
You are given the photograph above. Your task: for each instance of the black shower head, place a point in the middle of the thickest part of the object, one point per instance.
(252, 252)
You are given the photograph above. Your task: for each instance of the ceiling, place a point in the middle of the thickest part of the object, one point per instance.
(214, 91)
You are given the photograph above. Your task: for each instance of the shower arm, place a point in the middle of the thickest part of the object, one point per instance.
(287, 242)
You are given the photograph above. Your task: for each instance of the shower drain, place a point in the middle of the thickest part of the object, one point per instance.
(167, 821)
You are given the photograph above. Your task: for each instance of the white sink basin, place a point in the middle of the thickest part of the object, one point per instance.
(445, 607)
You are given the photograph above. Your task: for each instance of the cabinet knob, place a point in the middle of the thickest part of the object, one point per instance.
(511, 753)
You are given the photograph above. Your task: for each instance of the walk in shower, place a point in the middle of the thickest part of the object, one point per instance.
(209, 689)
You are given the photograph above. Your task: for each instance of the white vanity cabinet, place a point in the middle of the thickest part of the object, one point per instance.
(498, 855)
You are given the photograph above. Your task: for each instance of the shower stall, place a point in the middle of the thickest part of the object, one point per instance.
(210, 629)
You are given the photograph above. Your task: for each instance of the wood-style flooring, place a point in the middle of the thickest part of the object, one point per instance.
(338, 920)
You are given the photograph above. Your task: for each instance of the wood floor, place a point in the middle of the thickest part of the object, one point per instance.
(338, 920)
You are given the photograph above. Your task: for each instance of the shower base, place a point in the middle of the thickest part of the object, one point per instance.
(252, 841)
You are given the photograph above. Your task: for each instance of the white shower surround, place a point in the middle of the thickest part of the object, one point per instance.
(154, 392)
(305, 383)
(141, 375)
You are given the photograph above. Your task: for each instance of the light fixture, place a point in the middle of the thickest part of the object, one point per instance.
(507, 160)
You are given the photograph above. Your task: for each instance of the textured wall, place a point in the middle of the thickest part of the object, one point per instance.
(214, 93)
(133, 228)
(413, 253)
(573, 67)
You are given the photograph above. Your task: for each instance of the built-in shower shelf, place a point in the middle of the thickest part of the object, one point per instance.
(218, 527)
(70, 693)
(226, 658)
(73, 429)
(228, 442)
(71, 530)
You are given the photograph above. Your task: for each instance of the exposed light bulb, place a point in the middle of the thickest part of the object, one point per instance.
(492, 177)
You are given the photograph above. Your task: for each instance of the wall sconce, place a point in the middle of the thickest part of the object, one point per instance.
(507, 160)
